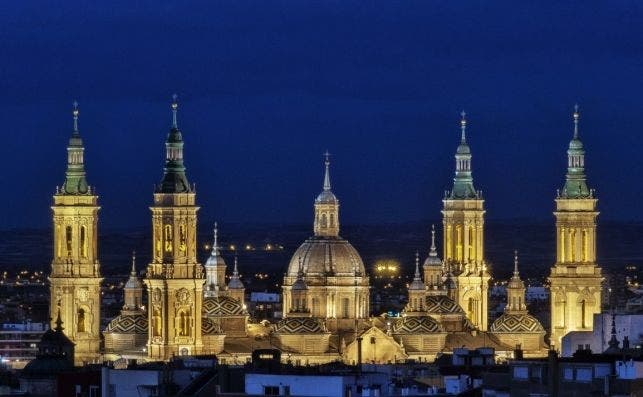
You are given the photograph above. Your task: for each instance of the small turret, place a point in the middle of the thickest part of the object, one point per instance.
(236, 288)
(299, 304)
(215, 268)
(75, 179)
(433, 267)
(463, 181)
(417, 291)
(516, 291)
(326, 207)
(133, 290)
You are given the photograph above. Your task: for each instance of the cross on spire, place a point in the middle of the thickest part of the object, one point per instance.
(75, 113)
(576, 117)
(175, 106)
(463, 125)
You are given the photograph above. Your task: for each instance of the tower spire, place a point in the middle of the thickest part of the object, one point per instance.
(175, 106)
(576, 117)
(463, 181)
(59, 322)
(516, 274)
(576, 180)
(433, 251)
(75, 180)
(75, 114)
(174, 178)
(463, 127)
(417, 266)
(133, 271)
(327, 171)
(215, 242)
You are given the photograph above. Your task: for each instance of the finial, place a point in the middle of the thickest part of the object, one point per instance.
(175, 106)
(75, 113)
(133, 272)
(433, 248)
(463, 126)
(417, 265)
(235, 271)
(215, 242)
(516, 263)
(327, 172)
(576, 117)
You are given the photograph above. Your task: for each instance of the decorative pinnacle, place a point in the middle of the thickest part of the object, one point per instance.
(174, 106)
(417, 265)
(576, 117)
(516, 263)
(327, 172)
(235, 272)
(215, 242)
(433, 248)
(75, 113)
(133, 272)
(463, 126)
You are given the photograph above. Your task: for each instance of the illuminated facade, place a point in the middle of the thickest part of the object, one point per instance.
(575, 278)
(338, 286)
(463, 228)
(174, 277)
(75, 271)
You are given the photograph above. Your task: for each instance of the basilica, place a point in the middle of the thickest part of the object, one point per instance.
(190, 309)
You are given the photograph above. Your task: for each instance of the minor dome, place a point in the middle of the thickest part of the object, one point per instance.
(512, 323)
(575, 144)
(222, 306)
(463, 148)
(300, 325)
(442, 304)
(128, 324)
(215, 260)
(326, 196)
(413, 325)
(323, 255)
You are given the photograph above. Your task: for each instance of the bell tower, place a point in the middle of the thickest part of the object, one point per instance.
(75, 271)
(326, 207)
(174, 278)
(576, 277)
(463, 227)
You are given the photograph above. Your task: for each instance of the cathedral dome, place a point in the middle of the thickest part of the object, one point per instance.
(222, 306)
(512, 323)
(322, 255)
(416, 325)
(300, 325)
(326, 197)
(128, 324)
(442, 304)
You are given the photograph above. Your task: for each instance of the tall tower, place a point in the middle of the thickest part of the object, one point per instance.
(575, 278)
(75, 272)
(463, 226)
(174, 278)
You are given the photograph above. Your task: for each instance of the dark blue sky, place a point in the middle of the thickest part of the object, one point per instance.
(266, 87)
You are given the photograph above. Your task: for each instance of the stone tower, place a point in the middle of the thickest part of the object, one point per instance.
(575, 278)
(174, 277)
(463, 227)
(75, 271)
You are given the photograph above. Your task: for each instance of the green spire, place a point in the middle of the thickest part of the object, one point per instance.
(174, 179)
(576, 180)
(463, 181)
(75, 181)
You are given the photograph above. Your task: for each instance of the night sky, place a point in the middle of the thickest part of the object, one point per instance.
(266, 87)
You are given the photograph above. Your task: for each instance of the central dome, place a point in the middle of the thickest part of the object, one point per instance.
(326, 255)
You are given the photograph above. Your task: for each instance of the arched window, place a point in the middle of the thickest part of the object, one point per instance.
(59, 248)
(583, 313)
(458, 249)
(471, 242)
(83, 241)
(562, 244)
(332, 220)
(68, 237)
(572, 249)
(585, 246)
(182, 238)
(324, 221)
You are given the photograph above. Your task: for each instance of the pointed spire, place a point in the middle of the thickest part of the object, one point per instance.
(133, 271)
(516, 274)
(75, 113)
(174, 106)
(434, 250)
(215, 242)
(417, 283)
(576, 117)
(327, 171)
(417, 265)
(235, 271)
(235, 281)
(463, 127)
